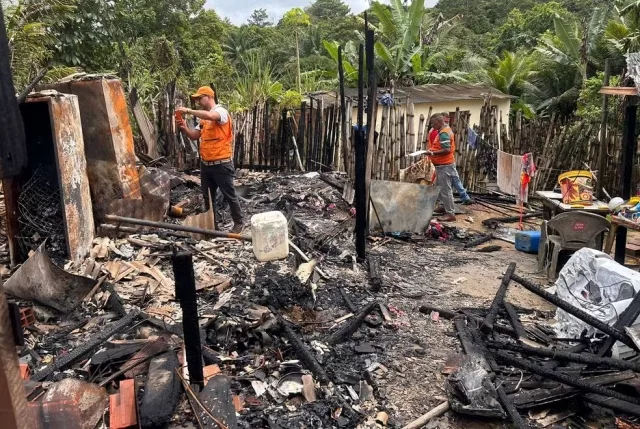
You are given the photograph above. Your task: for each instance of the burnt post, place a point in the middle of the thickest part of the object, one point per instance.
(487, 324)
(13, 404)
(360, 185)
(186, 294)
(628, 154)
(602, 150)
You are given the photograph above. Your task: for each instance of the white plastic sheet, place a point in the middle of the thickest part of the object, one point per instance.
(595, 283)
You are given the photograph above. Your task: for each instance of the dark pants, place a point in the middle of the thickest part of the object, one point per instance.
(220, 176)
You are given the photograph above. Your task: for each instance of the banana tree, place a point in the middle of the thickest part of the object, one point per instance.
(399, 37)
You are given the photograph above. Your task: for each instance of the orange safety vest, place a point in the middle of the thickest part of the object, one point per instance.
(216, 140)
(448, 158)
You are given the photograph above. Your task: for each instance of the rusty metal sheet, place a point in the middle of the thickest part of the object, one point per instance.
(40, 280)
(90, 399)
(108, 138)
(72, 173)
(55, 414)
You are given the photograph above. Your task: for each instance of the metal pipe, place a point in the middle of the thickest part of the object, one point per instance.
(192, 229)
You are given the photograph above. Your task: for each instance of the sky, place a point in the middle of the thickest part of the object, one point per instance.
(239, 10)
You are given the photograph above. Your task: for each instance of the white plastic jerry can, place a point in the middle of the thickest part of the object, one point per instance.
(270, 236)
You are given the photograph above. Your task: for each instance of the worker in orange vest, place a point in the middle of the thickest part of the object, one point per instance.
(441, 151)
(215, 132)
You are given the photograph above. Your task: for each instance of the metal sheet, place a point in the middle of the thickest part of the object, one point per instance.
(108, 138)
(402, 207)
(40, 280)
(72, 174)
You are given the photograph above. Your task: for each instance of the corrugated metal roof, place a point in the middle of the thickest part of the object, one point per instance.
(431, 93)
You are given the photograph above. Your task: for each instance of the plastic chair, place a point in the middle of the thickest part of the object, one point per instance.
(568, 232)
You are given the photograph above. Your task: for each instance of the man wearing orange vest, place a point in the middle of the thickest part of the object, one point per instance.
(441, 152)
(216, 152)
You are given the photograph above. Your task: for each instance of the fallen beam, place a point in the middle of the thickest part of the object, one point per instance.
(478, 241)
(515, 320)
(585, 358)
(217, 399)
(352, 308)
(424, 419)
(510, 219)
(487, 324)
(627, 318)
(580, 314)
(161, 392)
(64, 361)
(450, 314)
(613, 404)
(302, 352)
(191, 229)
(513, 413)
(563, 378)
(349, 328)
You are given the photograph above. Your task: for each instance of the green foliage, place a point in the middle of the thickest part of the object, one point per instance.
(590, 99)
(522, 30)
(259, 18)
(511, 73)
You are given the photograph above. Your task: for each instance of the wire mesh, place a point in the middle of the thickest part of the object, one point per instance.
(40, 212)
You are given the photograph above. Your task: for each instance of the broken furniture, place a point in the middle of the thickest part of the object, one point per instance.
(553, 205)
(568, 232)
(50, 199)
(617, 222)
(110, 152)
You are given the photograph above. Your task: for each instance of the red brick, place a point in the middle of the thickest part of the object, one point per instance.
(122, 407)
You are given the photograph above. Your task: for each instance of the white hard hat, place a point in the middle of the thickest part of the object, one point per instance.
(615, 203)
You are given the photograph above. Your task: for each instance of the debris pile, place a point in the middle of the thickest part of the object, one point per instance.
(523, 371)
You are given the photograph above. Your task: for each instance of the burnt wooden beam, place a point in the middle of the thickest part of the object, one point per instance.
(218, 400)
(185, 284)
(574, 311)
(627, 318)
(482, 348)
(487, 324)
(360, 166)
(563, 378)
(478, 241)
(515, 320)
(450, 314)
(351, 327)
(585, 358)
(511, 410)
(302, 352)
(613, 404)
(541, 395)
(13, 150)
(64, 361)
(375, 277)
(161, 392)
(352, 308)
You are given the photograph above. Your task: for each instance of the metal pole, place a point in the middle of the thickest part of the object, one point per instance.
(192, 229)
(603, 133)
(628, 154)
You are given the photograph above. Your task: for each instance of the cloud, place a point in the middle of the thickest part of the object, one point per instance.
(239, 11)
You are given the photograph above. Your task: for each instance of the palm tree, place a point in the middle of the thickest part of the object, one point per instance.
(31, 34)
(623, 33)
(510, 73)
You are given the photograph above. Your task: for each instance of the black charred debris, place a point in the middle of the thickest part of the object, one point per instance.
(523, 373)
